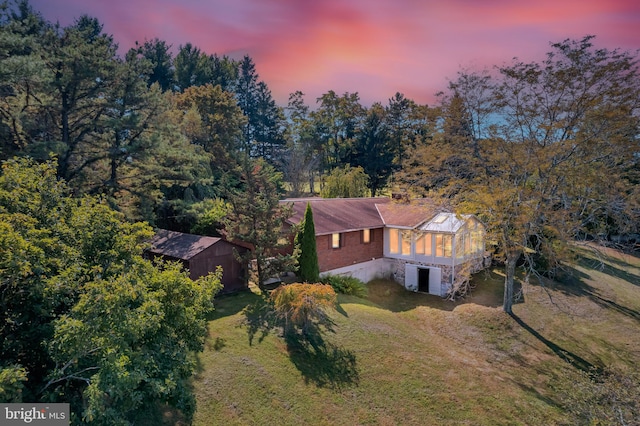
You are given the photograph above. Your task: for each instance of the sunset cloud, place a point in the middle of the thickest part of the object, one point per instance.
(373, 47)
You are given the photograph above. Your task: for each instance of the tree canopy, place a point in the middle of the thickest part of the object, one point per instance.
(84, 318)
(541, 152)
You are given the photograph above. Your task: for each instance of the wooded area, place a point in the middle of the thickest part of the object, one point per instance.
(544, 153)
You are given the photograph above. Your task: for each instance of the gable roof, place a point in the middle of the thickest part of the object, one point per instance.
(334, 215)
(180, 245)
(408, 214)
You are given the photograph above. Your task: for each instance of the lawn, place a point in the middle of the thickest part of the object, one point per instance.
(399, 357)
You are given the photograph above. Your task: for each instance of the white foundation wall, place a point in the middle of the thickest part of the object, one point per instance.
(365, 271)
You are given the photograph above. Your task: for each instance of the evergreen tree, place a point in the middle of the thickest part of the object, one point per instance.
(257, 218)
(157, 52)
(307, 255)
(373, 149)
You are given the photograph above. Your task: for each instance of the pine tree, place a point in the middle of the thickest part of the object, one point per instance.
(308, 269)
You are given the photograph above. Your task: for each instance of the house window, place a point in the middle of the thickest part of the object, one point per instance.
(335, 241)
(443, 245)
(423, 245)
(366, 236)
(394, 243)
(406, 243)
(447, 245)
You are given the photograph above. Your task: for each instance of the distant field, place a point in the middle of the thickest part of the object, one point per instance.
(412, 359)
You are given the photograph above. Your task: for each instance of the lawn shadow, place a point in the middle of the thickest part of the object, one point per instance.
(607, 268)
(488, 289)
(230, 304)
(321, 362)
(259, 318)
(571, 282)
(573, 359)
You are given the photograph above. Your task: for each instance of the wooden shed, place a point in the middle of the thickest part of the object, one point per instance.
(201, 255)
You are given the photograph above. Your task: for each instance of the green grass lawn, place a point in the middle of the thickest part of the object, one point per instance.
(399, 357)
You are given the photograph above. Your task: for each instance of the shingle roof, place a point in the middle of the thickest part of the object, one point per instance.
(179, 245)
(410, 215)
(332, 215)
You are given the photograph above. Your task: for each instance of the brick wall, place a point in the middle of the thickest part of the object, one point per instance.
(352, 249)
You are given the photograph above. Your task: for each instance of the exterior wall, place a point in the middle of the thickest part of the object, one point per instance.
(219, 254)
(399, 266)
(365, 271)
(351, 251)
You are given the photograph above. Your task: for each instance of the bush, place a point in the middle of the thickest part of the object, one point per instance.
(346, 285)
(302, 306)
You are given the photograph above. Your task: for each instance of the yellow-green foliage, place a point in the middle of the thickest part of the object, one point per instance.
(301, 306)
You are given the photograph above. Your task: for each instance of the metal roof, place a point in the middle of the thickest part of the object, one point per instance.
(180, 245)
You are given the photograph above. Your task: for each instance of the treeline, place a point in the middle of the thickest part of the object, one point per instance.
(156, 134)
(543, 152)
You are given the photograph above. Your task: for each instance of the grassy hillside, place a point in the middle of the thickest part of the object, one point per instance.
(407, 358)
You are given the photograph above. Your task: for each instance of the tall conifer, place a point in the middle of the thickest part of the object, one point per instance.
(308, 269)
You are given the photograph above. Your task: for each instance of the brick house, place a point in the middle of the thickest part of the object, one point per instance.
(416, 243)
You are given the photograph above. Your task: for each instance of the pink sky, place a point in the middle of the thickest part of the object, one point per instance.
(373, 47)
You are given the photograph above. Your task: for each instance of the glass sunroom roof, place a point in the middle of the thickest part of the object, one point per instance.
(445, 222)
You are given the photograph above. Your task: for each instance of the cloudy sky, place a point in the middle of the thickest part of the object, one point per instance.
(373, 47)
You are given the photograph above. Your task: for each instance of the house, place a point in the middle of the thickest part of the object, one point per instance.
(201, 255)
(416, 243)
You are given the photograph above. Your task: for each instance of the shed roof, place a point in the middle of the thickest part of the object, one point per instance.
(332, 215)
(180, 245)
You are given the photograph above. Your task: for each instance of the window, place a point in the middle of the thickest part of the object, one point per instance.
(406, 243)
(467, 243)
(420, 244)
(394, 246)
(448, 239)
(423, 245)
(460, 238)
(366, 236)
(335, 241)
(443, 245)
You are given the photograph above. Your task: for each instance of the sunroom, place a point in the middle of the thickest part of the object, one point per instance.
(433, 252)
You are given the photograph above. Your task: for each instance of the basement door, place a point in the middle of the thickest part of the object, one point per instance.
(423, 280)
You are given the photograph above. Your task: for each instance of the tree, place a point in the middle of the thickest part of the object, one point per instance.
(337, 120)
(554, 150)
(192, 67)
(406, 122)
(257, 218)
(345, 182)
(305, 244)
(22, 77)
(373, 149)
(84, 319)
(157, 52)
(264, 128)
(79, 61)
(300, 159)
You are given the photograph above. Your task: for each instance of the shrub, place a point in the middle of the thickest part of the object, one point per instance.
(302, 306)
(346, 285)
